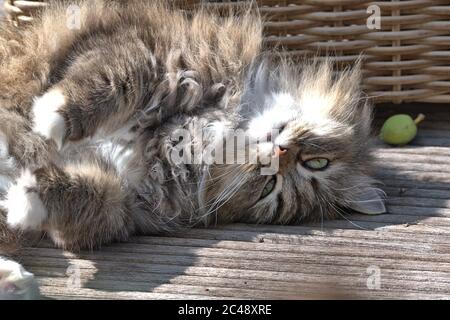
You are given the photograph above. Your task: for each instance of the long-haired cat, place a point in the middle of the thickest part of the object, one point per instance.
(89, 116)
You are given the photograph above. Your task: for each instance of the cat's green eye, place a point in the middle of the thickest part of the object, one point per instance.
(268, 188)
(317, 163)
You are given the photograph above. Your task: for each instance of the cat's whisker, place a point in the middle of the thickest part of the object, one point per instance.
(212, 201)
(363, 201)
(358, 186)
(321, 214)
(234, 184)
(217, 178)
(226, 194)
(314, 145)
(349, 188)
(212, 185)
(342, 214)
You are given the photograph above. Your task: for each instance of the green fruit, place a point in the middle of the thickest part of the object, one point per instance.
(400, 129)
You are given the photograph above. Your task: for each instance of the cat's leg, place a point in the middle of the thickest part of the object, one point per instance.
(24, 206)
(15, 282)
(19, 146)
(96, 93)
(47, 118)
(80, 205)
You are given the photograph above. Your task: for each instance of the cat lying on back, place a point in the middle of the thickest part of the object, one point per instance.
(87, 118)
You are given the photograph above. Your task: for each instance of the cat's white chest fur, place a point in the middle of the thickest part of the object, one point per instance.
(117, 148)
(117, 152)
(114, 147)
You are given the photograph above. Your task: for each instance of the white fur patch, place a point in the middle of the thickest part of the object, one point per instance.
(24, 207)
(15, 281)
(265, 152)
(4, 153)
(112, 146)
(46, 119)
(7, 165)
(117, 153)
(13, 272)
(315, 107)
(281, 110)
(5, 183)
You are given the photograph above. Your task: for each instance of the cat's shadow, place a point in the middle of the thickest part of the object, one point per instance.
(149, 267)
(140, 269)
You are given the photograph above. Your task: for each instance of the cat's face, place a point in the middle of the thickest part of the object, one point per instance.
(314, 126)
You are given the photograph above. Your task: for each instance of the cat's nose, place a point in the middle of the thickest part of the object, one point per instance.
(280, 151)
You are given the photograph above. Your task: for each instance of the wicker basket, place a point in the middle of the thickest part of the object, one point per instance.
(407, 59)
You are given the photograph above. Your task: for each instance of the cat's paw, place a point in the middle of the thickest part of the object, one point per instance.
(23, 205)
(16, 282)
(47, 121)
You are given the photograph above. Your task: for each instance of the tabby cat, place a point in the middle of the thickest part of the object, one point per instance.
(90, 117)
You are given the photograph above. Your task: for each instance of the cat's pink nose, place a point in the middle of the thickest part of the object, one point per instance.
(280, 151)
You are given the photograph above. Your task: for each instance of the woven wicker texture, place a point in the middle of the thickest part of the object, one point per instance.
(406, 59)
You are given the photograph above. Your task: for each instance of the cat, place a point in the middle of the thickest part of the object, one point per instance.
(91, 115)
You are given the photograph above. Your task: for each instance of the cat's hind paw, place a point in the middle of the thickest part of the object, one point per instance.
(23, 205)
(47, 121)
(15, 282)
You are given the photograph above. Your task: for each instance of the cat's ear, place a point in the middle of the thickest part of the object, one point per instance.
(368, 200)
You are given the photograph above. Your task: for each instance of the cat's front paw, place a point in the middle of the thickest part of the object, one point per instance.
(23, 205)
(15, 282)
(47, 121)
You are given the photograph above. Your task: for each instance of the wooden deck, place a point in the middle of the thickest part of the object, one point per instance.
(409, 248)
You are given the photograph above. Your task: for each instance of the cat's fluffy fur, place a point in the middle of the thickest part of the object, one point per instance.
(86, 118)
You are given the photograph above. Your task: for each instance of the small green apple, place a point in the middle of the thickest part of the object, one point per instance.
(400, 129)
